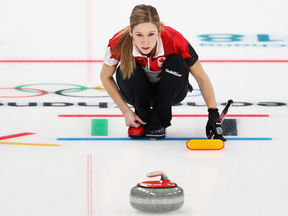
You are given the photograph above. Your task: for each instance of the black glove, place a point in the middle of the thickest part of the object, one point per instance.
(214, 124)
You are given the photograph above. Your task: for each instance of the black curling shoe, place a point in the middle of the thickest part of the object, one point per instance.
(156, 131)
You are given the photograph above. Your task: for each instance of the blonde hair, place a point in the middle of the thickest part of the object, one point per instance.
(124, 47)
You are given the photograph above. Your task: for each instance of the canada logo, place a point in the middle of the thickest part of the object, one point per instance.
(161, 60)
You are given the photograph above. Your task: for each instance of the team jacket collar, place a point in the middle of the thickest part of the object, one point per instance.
(159, 49)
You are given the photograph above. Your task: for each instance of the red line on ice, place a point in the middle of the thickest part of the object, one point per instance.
(89, 185)
(101, 61)
(188, 115)
(15, 135)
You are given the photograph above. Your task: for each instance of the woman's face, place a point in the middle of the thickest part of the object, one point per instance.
(145, 37)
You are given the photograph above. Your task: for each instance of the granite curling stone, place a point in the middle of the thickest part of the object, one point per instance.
(157, 196)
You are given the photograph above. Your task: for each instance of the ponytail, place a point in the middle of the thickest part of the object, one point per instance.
(123, 50)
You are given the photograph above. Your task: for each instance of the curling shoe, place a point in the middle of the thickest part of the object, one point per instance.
(156, 131)
(136, 132)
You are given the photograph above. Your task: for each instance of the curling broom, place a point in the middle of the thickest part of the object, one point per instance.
(210, 143)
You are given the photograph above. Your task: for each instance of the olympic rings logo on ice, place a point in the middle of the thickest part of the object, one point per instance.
(195, 95)
(32, 90)
(35, 92)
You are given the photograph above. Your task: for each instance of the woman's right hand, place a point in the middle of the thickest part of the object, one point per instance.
(133, 120)
(111, 87)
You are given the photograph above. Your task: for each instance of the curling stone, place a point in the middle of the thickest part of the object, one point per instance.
(157, 196)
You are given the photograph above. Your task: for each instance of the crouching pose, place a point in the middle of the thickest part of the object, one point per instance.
(153, 75)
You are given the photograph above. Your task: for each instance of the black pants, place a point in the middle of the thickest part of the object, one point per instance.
(153, 103)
